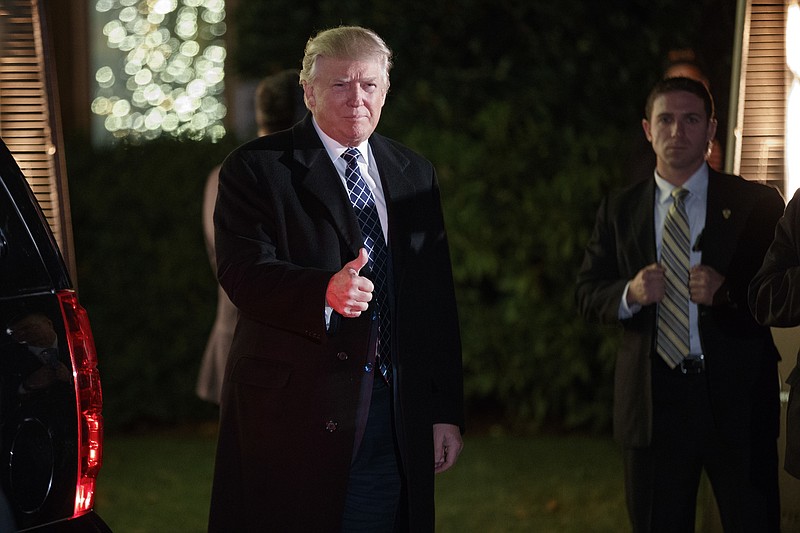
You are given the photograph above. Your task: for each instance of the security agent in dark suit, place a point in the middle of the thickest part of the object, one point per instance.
(312, 436)
(775, 301)
(718, 409)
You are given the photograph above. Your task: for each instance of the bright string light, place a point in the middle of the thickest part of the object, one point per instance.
(171, 70)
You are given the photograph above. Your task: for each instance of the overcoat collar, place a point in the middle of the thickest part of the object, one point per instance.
(322, 181)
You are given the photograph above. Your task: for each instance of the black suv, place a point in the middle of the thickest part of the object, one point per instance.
(51, 427)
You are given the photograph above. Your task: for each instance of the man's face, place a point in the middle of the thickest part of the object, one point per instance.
(346, 98)
(679, 131)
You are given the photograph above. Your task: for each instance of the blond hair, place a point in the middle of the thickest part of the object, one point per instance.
(345, 42)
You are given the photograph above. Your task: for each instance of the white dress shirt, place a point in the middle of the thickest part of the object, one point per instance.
(369, 170)
(695, 203)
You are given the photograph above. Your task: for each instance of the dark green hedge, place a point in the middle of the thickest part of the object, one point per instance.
(145, 279)
(143, 273)
(529, 111)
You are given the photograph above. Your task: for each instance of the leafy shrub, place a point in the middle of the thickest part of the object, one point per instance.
(527, 109)
(143, 272)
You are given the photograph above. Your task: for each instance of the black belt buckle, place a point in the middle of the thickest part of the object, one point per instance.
(693, 364)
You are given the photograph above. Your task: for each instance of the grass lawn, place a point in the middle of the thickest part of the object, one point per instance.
(534, 484)
(157, 482)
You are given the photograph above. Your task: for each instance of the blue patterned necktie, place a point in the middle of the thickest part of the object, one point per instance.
(367, 213)
(673, 311)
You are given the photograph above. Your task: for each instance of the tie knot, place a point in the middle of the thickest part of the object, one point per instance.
(679, 194)
(351, 155)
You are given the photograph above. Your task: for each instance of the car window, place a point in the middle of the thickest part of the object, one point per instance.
(20, 263)
(38, 449)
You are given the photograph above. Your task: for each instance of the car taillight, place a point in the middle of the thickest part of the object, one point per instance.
(89, 398)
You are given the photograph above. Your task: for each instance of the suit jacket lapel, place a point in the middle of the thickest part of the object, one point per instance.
(725, 214)
(391, 166)
(323, 182)
(642, 224)
(399, 191)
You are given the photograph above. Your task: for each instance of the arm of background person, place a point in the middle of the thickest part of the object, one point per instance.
(774, 294)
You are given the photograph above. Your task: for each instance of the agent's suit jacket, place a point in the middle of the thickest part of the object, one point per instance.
(775, 301)
(284, 226)
(741, 359)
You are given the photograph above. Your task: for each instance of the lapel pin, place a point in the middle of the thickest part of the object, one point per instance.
(726, 213)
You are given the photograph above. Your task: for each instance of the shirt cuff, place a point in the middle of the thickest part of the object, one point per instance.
(627, 311)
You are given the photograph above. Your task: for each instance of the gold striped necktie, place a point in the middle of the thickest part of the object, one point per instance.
(673, 311)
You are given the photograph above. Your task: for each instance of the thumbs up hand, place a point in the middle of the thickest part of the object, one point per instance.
(348, 292)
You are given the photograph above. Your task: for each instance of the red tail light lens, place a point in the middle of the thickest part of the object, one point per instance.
(89, 398)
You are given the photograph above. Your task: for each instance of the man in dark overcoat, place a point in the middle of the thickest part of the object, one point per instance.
(775, 301)
(343, 393)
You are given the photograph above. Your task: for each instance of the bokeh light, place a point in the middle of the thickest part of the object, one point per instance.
(170, 77)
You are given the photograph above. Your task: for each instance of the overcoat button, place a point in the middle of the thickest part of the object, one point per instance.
(342, 356)
(368, 367)
(331, 426)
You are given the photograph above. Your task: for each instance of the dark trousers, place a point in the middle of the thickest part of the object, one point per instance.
(373, 491)
(662, 480)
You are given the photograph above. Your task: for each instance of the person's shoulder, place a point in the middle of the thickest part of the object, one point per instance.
(274, 141)
(734, 180)
(627, 200)
(381, 143)
(742, 186)
(263, 149)
(632, 191)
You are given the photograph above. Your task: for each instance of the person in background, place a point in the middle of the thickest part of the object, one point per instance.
(278, 105)
(775, 301)
(696, 378)
(683, 63)
(680, 63)
(343, 393)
